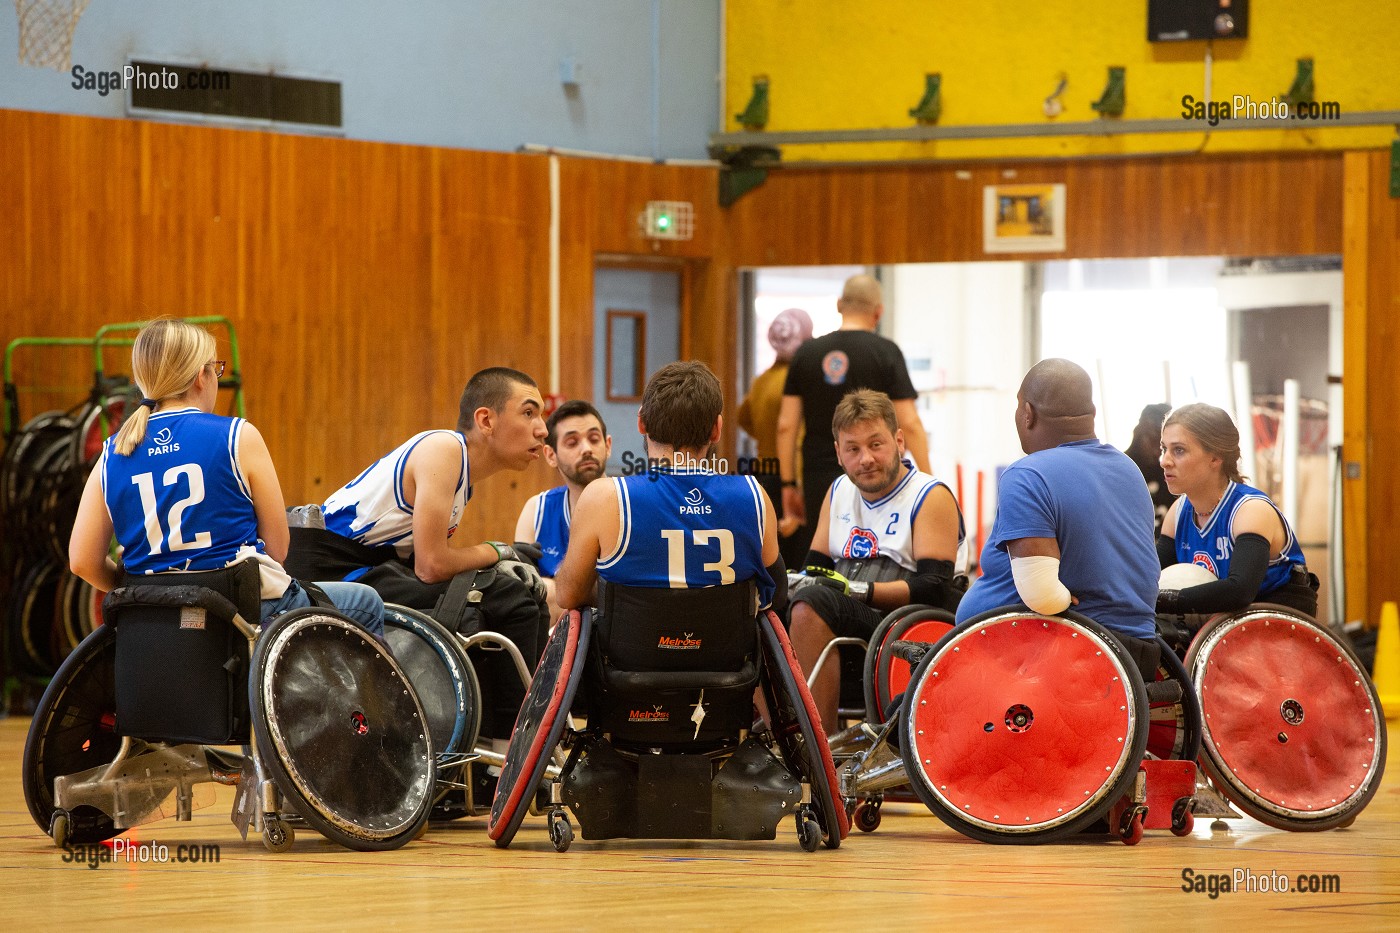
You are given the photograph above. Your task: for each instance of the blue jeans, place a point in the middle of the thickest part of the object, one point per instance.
(357, 601)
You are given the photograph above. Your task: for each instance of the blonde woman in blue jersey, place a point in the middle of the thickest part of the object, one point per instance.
(1224, 525)
(183, 489)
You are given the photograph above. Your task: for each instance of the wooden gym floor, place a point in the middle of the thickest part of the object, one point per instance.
(912, 873)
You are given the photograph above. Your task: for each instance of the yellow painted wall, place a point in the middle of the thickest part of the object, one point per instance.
(860, 64)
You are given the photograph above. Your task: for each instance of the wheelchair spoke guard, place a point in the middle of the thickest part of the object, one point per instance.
(1294, 733)
(341, 731)
(1022, 728)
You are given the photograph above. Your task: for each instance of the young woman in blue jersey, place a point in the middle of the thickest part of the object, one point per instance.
(184, 489)
(1218, 522)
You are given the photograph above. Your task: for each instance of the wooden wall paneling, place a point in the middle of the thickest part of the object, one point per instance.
(1381, 426)
(367, 280)
(1272, 204)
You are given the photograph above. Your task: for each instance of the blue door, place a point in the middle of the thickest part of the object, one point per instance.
(636, 331)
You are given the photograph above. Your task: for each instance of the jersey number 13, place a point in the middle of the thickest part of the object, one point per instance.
(675, 554)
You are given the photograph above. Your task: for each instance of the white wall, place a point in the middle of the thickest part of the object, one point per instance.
(963, 329)
(479, 74)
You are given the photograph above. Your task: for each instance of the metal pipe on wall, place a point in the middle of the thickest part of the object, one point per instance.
(554, 336)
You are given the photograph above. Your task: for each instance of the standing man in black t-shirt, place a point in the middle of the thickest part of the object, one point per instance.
(822, 372)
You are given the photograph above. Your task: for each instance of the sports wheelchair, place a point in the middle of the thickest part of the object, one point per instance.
(666, 681)
(121, 736)
(1292, 731)
(1018, 728)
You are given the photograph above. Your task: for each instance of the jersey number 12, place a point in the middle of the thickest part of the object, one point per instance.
(175, 539)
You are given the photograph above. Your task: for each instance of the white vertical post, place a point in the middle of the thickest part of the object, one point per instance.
(1244, 418)
(554, 378)
(1288, 450)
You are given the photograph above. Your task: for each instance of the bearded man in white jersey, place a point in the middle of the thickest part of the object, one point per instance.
(887, 536)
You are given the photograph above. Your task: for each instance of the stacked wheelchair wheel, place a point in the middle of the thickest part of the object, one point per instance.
(45, 464)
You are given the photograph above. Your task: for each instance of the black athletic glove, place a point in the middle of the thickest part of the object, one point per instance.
(1168, 601)
(511, 561)
(820, 576)
(529, 553)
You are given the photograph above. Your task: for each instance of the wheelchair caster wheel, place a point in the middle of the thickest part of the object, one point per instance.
(867, 817)
(809, 833)
(1347, 822)
(277, 836)
(561, 832)
(60, 827)
(1130, 827)
(1183, 820)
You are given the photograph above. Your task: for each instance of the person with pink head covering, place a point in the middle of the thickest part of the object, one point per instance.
(758, 415)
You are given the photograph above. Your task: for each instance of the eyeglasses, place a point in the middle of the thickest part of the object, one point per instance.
(218, 367)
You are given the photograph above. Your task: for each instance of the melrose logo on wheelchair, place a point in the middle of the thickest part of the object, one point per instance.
(131, 852)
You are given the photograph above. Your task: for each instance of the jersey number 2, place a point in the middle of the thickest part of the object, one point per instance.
(675, 554)
(155, 535)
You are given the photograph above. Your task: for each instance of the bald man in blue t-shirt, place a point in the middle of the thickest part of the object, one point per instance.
(1074, 522)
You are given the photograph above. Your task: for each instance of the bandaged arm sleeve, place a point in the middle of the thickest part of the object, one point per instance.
(1038, 584)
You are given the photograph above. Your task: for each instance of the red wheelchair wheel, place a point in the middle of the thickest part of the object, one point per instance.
(1294, 734)
(1022, 728)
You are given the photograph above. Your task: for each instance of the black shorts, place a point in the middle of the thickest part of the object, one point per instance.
(846, 616)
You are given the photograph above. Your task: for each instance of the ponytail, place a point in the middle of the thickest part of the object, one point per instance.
(165, 360)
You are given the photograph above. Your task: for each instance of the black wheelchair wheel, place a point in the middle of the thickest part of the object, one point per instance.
(873, 707)
(341, 731)
(1020, 728)
(798, 731)
(540, 724)
(1294, 734)
(1174, 729)
(438, 668)
(73, 730)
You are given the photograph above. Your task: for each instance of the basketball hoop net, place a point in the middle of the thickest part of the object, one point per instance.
(46, 32)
